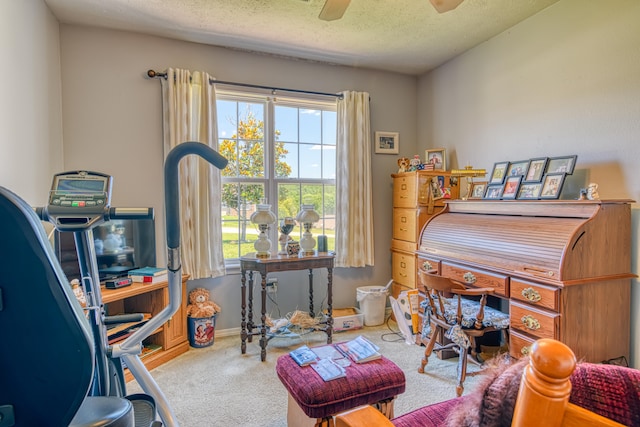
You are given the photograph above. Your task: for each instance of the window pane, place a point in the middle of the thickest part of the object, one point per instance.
(310, 130)
(287, 160)
(310, 161)
(288, 200)
(239, 201)
(329, 162)
(329, 127)
(227, 118)
(286, 123)
(241, 137)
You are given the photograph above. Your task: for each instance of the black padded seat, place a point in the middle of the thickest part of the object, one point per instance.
(99, 411)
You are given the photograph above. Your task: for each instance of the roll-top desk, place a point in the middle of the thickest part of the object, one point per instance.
(563, 265)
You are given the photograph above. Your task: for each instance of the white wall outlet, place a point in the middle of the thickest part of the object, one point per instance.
(272, 285)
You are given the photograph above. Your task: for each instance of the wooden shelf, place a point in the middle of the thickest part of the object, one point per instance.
(152, 298)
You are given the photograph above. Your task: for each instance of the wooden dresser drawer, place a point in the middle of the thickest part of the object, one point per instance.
(477, 278)
(405, 224)
(404, 268)
(519, 344)
(535, 294)
(538, 323)
(404, 191)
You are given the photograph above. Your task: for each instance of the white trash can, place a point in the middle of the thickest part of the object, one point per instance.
(372, 301)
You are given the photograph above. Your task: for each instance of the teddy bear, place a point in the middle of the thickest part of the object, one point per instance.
(200, 305)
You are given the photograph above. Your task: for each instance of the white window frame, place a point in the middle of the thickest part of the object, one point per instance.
(270, 181)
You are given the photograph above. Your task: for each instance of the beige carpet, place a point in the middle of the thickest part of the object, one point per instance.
(218, 385)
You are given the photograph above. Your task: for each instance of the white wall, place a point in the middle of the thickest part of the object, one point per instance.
(566, 81)
(112, 123)
(30, 110)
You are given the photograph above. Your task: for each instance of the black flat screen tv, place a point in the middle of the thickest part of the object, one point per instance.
(121, 245)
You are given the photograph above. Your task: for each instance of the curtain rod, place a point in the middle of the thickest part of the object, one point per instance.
(154, 74)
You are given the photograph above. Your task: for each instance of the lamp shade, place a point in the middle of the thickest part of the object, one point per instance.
(263, 215)
(307, 215)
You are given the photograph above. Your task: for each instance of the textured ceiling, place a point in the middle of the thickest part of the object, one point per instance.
(406, 36)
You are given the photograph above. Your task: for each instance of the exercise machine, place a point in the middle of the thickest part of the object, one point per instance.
(56, 367)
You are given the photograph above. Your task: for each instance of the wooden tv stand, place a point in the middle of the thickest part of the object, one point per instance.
(143, 298)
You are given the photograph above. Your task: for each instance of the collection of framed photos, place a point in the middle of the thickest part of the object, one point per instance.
(539, 178)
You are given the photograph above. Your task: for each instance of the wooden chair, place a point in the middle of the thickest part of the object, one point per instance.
(543, 396)
(462, 320)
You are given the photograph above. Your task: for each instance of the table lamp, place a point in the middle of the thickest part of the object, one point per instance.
(307, 216)
(263, 218)
(468, 172)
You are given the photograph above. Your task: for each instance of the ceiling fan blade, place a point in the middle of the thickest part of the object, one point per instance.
(333, 9)
(443, 6)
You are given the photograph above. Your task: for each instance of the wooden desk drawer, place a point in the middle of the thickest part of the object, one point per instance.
(535, 294)
(428, 264)
(538, 323)
(477, 278)
(404, 191)
(405, 224)
(519, 344)
(404, 269)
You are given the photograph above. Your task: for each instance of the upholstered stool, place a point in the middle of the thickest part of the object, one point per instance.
(314, 402)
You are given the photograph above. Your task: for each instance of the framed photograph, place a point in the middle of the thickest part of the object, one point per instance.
(529, 190)
(494, 192)
(552, 185)
(518, 168)
(511, 185)
(562, 164)
(477, 189)
(536, 169)
(498, 173)
(387, 142)
(436, 189)
(437, 157)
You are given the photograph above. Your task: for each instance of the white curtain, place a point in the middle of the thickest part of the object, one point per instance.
(354, 216)
(189, 114)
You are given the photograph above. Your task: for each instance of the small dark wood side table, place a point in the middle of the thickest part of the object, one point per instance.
(264, 266)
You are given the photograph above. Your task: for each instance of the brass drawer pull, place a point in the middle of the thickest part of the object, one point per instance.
(403, 274)
(530, 322)
(531, 294)
(469, 277)
(403, 229)
(525, 350)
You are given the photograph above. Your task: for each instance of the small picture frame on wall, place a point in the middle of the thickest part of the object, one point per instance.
(436, 157)
(511, 185)
(529, 191)
(552, 185)
(498, 173)
(477, 189)
(564, 164)
(387, 142)
(536, 170)
(493, 192)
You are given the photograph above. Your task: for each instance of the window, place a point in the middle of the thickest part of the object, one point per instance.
(281, 151)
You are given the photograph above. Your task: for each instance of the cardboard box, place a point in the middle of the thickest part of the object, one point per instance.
(347, 319)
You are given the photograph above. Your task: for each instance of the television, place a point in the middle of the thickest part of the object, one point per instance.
(121, 245)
